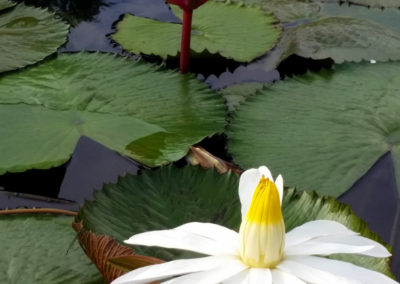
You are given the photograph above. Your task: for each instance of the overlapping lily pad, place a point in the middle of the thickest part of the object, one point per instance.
(4, 4)
(286, 11)
(170, 196)
(225, 35)
(311, 31)
(28, 35)
(342, 39)
(370, 3)
(138, 109)
(324, 130)
(41, 249)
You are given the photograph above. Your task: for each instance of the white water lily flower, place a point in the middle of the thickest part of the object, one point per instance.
(261, 253)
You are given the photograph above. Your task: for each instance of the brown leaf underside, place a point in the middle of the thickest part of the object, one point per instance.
(110, 258)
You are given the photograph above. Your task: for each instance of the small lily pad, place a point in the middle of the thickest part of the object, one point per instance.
(170, 196)
(27, 35)
(42, 249)
(225, 35)
(138, 109)
(322, 131)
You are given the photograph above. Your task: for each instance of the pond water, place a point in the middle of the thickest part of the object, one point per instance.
(92, 23)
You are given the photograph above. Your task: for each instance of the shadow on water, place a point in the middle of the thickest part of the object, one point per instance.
(375, 199)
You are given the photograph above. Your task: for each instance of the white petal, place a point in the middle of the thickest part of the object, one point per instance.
(323, 248)
(224, 271)
(247, 184)
(265, 172)
(260, 276)
(294, 266)
(279, 186)
(281, 277)
(377, 249)
(339, 244)
(204, 238)
(353, 273)
(315, 229)
(169, 269)
(251, 276)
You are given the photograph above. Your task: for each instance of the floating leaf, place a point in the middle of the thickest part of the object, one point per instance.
(99, 249)
(323, 130)
(286, 11)
(41, 249)
(235, 95)
(224, 35)
(115, 101)
(314, 30)
(4, 4)
(131, 262)
(169, 197)
(388, 18)
(369, 3)
(342, 39)
(47, 138)
(27, 35)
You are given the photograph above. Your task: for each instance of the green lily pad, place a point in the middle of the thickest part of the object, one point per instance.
(388, 17)
(286, 11)
(170, 196)
(342, 39)
(138, 109)
(236, 95)
(225, 35)
(324, 130)
(43, 249)
(4, 4)
(314, 30)
(28, 35)
(369, 3)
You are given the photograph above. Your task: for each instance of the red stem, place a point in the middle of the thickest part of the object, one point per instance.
(185, 42)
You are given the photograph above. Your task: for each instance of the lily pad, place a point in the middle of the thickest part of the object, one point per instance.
(41, 249)
(342, 39)
(28, 35)
(286, 11)
(236, 95)
(370, 3)
(324, 130)
(169, 197)
(4, 4)
(210, 32)
(138, 109)
(316, 30)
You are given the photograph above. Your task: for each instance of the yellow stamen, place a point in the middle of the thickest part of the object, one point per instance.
(262, 230)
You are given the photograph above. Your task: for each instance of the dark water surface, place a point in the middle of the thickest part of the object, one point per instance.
(374, 197)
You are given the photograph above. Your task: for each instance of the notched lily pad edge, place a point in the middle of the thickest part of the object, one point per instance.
(205, 52)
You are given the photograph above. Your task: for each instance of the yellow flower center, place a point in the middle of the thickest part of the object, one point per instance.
(262, 231)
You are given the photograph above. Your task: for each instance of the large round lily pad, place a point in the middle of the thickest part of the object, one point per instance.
(324, 130)
(228, 35)
(43, 249)
(27, 35)
(138, 109)
(169, 197)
